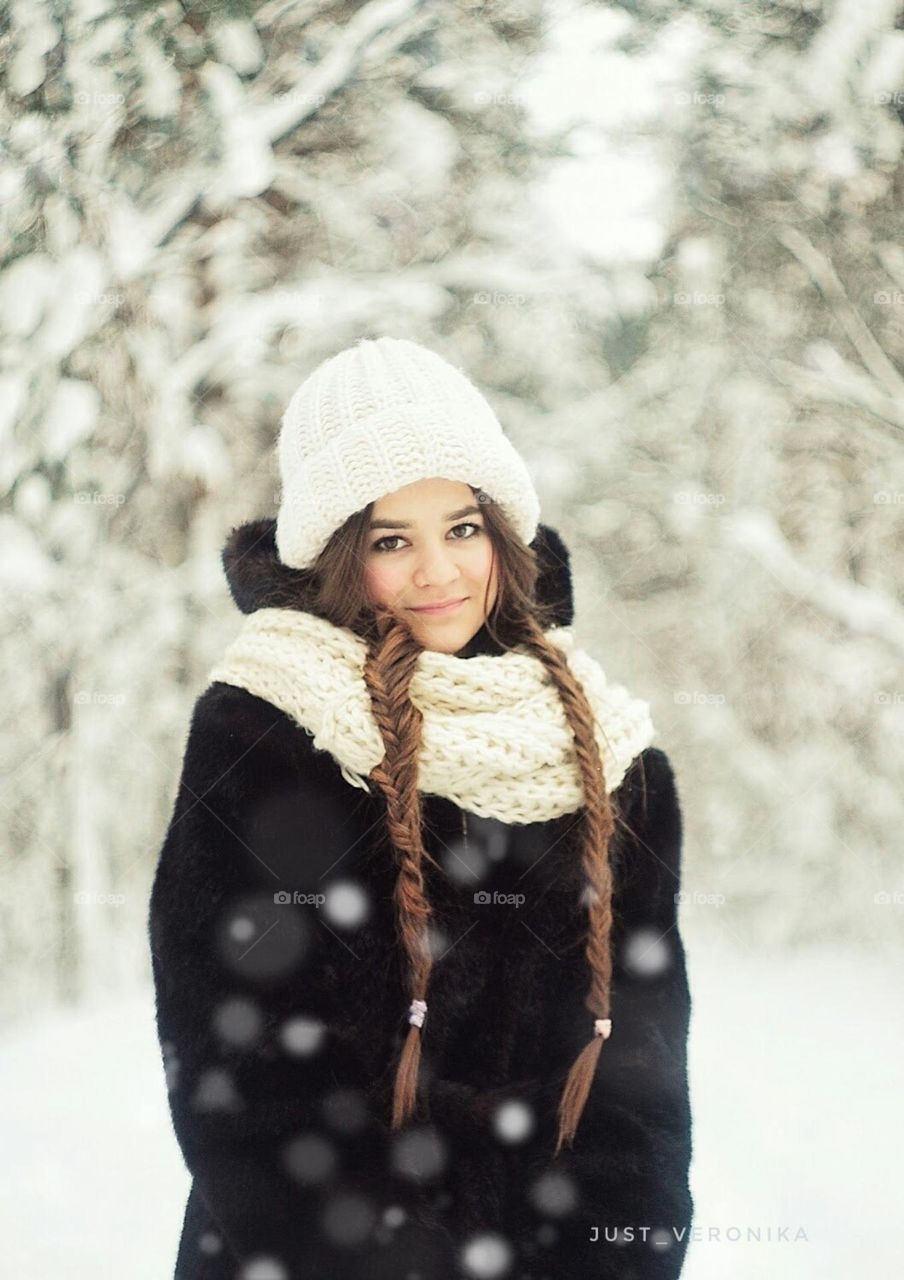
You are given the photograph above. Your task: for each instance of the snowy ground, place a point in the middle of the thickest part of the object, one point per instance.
(795, 1071)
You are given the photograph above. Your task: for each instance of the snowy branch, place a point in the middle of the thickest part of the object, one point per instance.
(251, 132)
(843, 385)
(863, 610)
(826, 278)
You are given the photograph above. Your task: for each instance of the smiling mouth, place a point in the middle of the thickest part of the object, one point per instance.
(439, 609)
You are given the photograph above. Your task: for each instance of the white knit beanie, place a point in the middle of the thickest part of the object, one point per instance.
(379, 415)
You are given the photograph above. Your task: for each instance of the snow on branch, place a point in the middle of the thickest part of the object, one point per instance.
(250, 131)
(864, 610)
(836, 381)
(823, 274)
(369, 25)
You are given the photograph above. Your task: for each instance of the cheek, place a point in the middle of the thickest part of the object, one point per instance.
(380, 582)
(484, 563)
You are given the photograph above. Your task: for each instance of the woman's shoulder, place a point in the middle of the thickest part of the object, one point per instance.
(252, 787)
(228, 718)
(234, 711)
(650, 847)
(236, 732)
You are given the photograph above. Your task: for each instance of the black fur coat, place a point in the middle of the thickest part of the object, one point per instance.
(281, 1025)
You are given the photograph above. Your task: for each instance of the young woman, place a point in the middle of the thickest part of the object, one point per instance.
(421, 993)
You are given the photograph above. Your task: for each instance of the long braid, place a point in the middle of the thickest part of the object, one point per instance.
(598, 827)
(388, 669)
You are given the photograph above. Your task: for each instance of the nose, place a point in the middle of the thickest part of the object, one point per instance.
(436, 568)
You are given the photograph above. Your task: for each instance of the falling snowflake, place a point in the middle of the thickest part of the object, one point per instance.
(513, 1121)
(310, 1158)
(348, 1219)
(210, 1243)
(647, 953)
(347, 905)
(554, 1193)
(263, 1269)
(487, 1257)
(419, 1154)
(302, 1035)
(242, 928)
(394, 1216)
(215, 1091)
(465, 864)
(260, 939)
(238, 1022)
(438, 942)
(660, 1239)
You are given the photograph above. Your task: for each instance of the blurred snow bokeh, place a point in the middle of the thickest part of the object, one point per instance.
(795, 1080)
(666, 242)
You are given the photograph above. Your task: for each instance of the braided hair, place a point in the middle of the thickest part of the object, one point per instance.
(334, 589)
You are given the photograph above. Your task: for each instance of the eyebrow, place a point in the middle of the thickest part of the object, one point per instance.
(406, 524)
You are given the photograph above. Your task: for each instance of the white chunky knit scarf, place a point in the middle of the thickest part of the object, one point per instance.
(495, 737)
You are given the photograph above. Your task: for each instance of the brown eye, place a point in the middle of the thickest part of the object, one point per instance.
(397, 537)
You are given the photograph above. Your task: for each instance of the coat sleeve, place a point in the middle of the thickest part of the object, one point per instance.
(627, 1169)
(265, 1101)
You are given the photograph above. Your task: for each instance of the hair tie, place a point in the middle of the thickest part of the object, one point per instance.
(603, 1027)
(416, 1012)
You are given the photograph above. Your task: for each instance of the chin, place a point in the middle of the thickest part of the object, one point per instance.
(445, 639)
(446, 644)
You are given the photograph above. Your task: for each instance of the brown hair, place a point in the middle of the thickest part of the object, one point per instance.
(336, 591)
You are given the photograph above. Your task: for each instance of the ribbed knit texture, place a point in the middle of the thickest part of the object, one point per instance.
(495, 737)
(375, 417)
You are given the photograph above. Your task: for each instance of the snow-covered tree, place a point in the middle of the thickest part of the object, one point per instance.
(200, 202)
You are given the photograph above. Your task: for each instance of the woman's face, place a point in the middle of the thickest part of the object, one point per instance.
(423, 547)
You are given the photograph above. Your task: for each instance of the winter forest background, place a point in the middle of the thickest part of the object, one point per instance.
(665, 239)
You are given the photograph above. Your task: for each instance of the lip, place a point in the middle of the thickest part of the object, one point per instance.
(440, 610)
